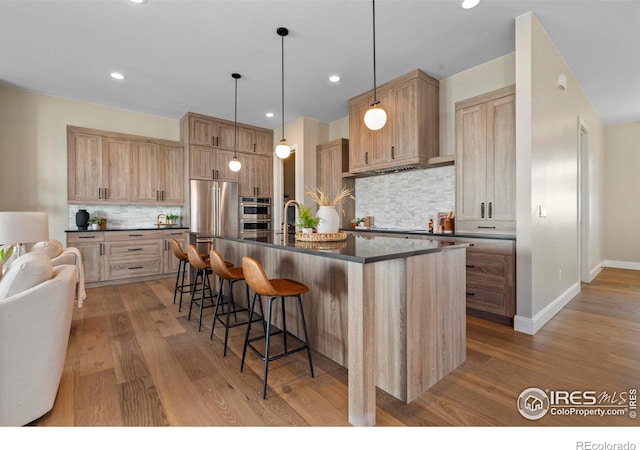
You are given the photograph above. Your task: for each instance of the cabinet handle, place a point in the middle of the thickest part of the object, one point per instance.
(135, 267)
(366, 157)
(86, 237)
(254, 147)
(99, 193)
(106, 193)
(490, 210)
(134, 249)
(166, 244)
(482, 210)
(157, 195)
(258, 190)
(470, 294)
(487, 228)
(393, 152)
(470, 266)
(135, 235)
(101, 249)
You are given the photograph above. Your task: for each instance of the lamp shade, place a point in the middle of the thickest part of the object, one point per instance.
(19, 227)
(375, 118)
(235, 165)
(282, 150)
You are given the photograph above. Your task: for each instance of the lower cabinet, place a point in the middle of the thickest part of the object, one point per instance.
(91, 247)
(491, 278)
(126, 255)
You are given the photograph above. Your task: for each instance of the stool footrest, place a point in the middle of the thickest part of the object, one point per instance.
(280, 355)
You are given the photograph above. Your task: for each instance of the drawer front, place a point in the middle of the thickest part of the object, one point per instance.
(118, 236)
(487, 297)
(131, 269)
(175, 234)
(493, 246)
(134, 251)
(490, 268)
(90, 236)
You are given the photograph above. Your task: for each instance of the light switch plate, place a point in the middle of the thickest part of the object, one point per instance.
(542, 211)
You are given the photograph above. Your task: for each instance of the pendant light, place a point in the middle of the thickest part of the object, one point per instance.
(234, 164)
(282, 149)
(375, 117)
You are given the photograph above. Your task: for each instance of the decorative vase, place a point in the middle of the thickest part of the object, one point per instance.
(94, 226)
(82, 219)
(329, 219)
(307, 230)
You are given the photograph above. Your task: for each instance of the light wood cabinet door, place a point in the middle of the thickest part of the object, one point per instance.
(256, 176)
(382, 139)
(360, 139)
(91, 247)
(263, 142)
(485, 162)
(471, 162)
(332, 162)
(246, 140)
(501, 164)
(172, 160)
(405, 121)
(201, 162)
(117, 170)
(202, 131)
(147, 172)
(85, 167)
(226, 136)
(221, 166)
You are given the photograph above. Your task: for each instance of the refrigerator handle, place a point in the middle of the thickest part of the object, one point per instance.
(216, 210)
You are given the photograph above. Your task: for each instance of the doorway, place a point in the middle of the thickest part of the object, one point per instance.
(584, 250)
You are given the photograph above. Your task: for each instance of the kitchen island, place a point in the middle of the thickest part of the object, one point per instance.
(392, 311)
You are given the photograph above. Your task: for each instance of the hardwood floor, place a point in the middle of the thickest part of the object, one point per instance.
(133, 360)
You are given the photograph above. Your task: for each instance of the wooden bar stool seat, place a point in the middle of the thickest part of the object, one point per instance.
(274, 288)
(231, 275)
(201, 281)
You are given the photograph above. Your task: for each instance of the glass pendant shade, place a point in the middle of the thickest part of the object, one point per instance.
(375, 118)
(235, 165)
(282, 150)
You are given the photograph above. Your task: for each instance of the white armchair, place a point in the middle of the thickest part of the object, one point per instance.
(34, 334)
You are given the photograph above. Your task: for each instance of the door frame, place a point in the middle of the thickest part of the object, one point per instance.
(584, 249)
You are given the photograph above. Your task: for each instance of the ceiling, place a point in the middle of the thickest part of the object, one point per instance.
(178, 56)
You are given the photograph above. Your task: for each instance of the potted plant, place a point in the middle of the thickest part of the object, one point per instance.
(327, 211)
(357, 221)
(306, 220)
(94, 223)
(172, 219)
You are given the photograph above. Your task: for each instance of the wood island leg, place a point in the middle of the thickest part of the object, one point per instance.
(362, 360)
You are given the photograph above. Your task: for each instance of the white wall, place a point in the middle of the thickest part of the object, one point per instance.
(33, 147)
(339, 129)
(547, 175)
(622, 204)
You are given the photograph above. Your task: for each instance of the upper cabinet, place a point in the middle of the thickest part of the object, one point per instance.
(486, 162)
(111, 167)
(332, 160)
(210, 143)
(411, 135)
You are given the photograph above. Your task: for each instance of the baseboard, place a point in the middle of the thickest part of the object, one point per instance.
(595, 271)
(622, 264)
(532, 326)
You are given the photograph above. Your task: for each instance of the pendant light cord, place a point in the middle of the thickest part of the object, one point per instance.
(375, 97)
(235, 123)
(282, 87)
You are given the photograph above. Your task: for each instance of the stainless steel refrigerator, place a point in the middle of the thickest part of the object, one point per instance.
(214, 206)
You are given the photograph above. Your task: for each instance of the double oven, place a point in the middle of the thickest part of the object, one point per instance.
(255, 216)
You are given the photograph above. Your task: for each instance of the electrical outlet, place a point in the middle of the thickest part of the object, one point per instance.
(560, 274)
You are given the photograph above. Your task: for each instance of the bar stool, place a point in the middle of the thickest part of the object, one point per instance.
(203, 270)
(273, 288)
(231, 275)
(183, 260)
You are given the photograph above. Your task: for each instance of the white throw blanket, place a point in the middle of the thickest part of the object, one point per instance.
(65, 258)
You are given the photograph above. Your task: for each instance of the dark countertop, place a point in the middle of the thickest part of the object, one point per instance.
(129, 229)
(394, 231)
(357, 248)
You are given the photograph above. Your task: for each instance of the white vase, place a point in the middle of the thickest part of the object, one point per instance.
(307, 230)
(329, 219)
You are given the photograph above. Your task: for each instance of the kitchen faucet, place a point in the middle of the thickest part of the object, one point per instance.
(286, 224)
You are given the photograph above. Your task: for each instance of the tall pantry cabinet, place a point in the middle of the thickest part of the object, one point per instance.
(486, 163)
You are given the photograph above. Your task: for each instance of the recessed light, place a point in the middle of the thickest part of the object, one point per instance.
(334, 78)
(468, 4)
(269, 114)
(138, 1)
(117, 76)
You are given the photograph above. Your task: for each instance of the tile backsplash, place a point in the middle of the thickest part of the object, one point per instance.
(406, 199)
(124, 216)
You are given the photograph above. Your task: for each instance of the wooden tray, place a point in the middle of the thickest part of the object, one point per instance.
(322, 245)
(321, 237)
